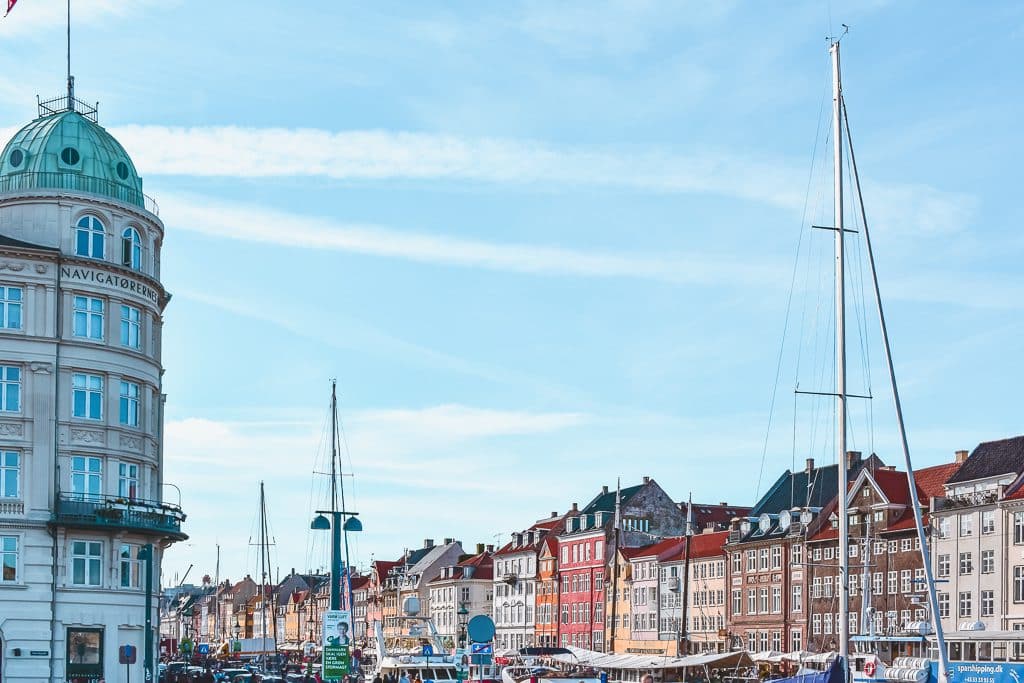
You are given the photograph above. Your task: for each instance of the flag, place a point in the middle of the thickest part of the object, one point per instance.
(10, 6)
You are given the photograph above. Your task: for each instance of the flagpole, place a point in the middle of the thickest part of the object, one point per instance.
(71, 81)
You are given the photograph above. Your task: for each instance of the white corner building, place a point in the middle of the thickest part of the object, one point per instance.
(81, 403)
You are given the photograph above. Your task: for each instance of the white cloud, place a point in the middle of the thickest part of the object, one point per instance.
(258, 224)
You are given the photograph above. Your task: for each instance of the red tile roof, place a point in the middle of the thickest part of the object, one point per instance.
(668, 545)
(930, 480)
(708, 545)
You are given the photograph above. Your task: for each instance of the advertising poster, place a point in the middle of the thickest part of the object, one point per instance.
(337, 643)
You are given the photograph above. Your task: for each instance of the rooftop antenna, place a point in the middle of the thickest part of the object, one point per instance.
(71, 79)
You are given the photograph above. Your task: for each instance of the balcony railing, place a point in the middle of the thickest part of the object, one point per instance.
(118, 513)
(76, 182)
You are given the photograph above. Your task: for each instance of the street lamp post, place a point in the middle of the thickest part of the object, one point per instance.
(336, 525)
(463, 620)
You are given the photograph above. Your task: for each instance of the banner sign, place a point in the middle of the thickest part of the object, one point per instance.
(337, 644)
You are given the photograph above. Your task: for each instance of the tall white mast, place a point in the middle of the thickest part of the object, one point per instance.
(844, 526)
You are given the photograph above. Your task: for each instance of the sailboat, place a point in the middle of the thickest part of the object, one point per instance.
(915, 669)
(268, 645)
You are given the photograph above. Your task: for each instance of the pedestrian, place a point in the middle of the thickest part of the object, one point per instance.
(404, 678)
(377, 678)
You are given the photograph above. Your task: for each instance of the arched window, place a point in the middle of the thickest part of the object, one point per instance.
(131, 248)
(90, 237)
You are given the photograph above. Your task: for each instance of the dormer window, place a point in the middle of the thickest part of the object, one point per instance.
(90, 237)
(131, 249)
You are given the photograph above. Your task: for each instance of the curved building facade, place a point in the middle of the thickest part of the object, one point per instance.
(83, 522)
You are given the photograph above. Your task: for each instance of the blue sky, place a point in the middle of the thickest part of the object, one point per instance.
(544, 245)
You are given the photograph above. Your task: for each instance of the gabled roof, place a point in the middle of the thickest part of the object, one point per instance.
(483, 569)
(719, 515)
(990, 459)
(656, 550)
(815, 488)
(708, 545)
(930, 479)
(605, 502)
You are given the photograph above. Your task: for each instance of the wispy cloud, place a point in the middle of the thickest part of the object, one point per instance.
(38, 18)
(263, 225)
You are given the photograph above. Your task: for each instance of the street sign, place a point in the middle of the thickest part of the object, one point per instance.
(480, 629)
(428, 650)
(203, 649)
(127, 654)
(482, 648)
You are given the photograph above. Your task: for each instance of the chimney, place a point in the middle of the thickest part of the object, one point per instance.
(428, 543)
(479, 548)
(554, 514)
(810, 465)
(723, 503)
(647, 480)
(293, 572)
(575, 507)
(604, 490)
(853, 459)
(490, 547)
(961, 456)
(449, 541)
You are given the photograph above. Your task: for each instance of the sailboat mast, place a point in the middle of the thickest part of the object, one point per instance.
(844, 525)
(263, 571)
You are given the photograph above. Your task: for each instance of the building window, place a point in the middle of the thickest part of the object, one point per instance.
(906, 544)
(893, 582)
(86, 477)
(796, 554)
(988, 603)
(88, 319)
(1018, 528)
(86, 563)
(943, 565)
(988, 561)
(879, 547)
(128, 483)
(131, 249)
(1018, 583)
(967, 524)
(966, 564)
(129, 404)
(776, 599)
(87, 396)
(965, 605)
(10, 474)
(795, 641)
(89, 237)
(798, 598)
(763, 602)
(10, 307)
(893, 547)
(943, 599)
(988, 522)
(906, 586)
(131, 325)
(737, 602)
(9, 559)
(763, 559)
(10, 388)
(751, 560)
(131, 566)
(776, 557)
(751, 601)
(943, 527)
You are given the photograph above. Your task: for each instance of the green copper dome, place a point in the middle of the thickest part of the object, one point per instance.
(68, 151)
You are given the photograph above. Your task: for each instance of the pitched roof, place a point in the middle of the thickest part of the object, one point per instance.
(992, 458)
(719, 515)
(482, 564)
(605, 502)
(930, 479)
(668, 545)
(708, 545)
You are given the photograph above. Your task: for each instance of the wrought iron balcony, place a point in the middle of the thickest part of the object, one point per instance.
(76, 182)
(106, 512)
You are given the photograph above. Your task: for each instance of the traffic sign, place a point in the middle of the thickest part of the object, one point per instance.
(480, 629)
(482, 648)
(127, 654)
(203, 649)
(428, 650)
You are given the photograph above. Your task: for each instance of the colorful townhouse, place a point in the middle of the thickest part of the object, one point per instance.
(766, 563)
(548, 593)
(460, 592)
(588, 540)
(887, 581)
(516, 585)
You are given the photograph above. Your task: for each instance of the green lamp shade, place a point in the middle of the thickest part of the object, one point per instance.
(320, 523)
